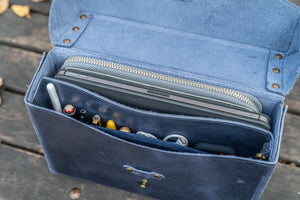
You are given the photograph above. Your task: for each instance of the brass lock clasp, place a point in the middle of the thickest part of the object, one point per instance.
(144, 175)
(144, 182)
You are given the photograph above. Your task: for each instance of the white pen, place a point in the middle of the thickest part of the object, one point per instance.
(54, 97)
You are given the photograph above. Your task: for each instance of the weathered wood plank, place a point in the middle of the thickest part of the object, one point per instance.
(284, 184)
(28, 33)
(25, 175)
(42, 7)
(17, 67)
(293, 99)
(15, 124)
(290, 146)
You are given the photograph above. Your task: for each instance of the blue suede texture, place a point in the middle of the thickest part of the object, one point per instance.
(229, 40)
(227, 43)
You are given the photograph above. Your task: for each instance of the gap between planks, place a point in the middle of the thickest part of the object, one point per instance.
(21, 148)
(21, 47)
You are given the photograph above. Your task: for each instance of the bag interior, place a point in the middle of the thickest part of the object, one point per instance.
(211, 42)
(247, 140)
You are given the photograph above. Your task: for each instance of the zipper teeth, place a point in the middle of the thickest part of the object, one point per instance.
(163, 77)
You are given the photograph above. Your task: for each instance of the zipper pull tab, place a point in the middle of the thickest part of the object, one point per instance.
(261, 156)
(265, 152)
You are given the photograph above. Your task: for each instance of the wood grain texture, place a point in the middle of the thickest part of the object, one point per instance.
(25, 175)
(27, 33)
(41, 7)
(284, 184)
(290, 144)
(293, 99)
(16, 127)
(17, 67)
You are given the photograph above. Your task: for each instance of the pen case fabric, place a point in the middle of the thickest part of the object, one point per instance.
(134, 75)
(230, 44)
(160, 92)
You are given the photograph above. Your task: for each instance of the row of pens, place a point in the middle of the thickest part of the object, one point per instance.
(70, 110)
(82, 115)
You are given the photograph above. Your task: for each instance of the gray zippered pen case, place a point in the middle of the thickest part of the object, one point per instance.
(158, 92)
(246, 48)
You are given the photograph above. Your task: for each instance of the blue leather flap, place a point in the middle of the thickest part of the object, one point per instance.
(252, 43)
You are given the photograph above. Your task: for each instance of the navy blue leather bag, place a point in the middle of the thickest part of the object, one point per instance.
(248, 46)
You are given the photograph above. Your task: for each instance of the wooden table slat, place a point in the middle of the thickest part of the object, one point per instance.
(16, 127)
(290, 144)
(17, 67)
(293, 99)
(42, 7)
(284, 184)
(28, 33)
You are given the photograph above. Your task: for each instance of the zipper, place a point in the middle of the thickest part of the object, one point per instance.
(248, 99)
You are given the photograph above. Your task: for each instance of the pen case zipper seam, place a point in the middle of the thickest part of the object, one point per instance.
(125, 68)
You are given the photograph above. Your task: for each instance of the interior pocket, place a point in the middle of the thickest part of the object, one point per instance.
(246, 140)
(149, 142)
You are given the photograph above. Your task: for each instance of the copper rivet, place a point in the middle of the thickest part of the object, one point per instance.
(129, 169)
(275, 85)
(75, 28)
(156, 176)
(278, 56)
(67, 41)
(74, 193)
(276, 70)
(83, 16)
